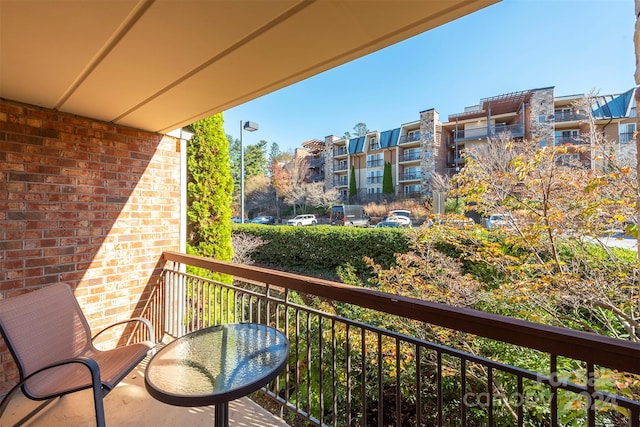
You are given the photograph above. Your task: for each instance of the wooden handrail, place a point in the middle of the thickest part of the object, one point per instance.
(586, 346)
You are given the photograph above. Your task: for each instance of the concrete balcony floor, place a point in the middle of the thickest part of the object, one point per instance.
(129, 404)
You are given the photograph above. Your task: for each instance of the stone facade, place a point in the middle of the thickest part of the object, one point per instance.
(429, 121)
(541, 116)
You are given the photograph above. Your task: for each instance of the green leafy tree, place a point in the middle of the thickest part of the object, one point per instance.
(209, 190)
(255, 160)
(353, 189)
(387, 179)
(360, 129)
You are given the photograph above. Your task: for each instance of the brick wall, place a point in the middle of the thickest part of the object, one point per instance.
(86, 203)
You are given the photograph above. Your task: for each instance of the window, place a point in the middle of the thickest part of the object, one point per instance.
(373, 144)
(374, 190)
(411, 154)
(413, 135)
(411, 189)
(375, 160)
(626, 132)
(411, 173)
(569, 136)
(374, 177)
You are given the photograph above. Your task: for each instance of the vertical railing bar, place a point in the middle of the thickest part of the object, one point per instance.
(463, 391)
(591, 390)
(229, 293)
(439, 385)
(520, 401)
(297, 359)
(334, 379)
(236, 297)
(243, 306)
(363, 377)
(268, 304)
(308, 408)
(287, 334)
(321, 370)
(210, 290)
(259, 310)
(347, 357)
(195, 308)
(398, 394)
(634, 417)
(553, 375)
(419, 384)
(490, 393)
(380, 390)
(216, 309)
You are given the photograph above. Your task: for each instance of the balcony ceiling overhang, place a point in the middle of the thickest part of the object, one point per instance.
(158, 65)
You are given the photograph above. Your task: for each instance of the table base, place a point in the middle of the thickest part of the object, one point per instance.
(221, 415)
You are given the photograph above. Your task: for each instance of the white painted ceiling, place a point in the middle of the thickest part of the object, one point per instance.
(157, 65)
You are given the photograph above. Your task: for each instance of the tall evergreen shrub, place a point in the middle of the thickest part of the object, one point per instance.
(209, 190)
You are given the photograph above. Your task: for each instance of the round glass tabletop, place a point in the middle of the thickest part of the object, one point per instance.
(216, 364)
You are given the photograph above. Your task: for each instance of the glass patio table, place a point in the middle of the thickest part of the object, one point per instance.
(215, 365)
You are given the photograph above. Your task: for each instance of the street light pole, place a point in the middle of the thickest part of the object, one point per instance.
(250, 127)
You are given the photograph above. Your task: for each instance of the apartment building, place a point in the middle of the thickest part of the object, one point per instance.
(422, 147)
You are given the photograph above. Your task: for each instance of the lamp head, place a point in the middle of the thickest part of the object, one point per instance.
(250, 126)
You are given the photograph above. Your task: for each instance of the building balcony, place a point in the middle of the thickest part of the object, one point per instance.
(413, 176)
(340, 183)
(345, 372)
(375, 163)
(374, 180)
(409, 157)
(342, 370)
(516, 131)
(569, 116)
(562, 140)
(405, 139)
(340, 167)
(340, 151)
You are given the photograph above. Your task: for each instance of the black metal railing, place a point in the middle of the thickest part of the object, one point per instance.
(375, 163)
(340, 151)
(410, 176)
(562, 140)
(410, 138)
(340, 182)
(409, 157)
(340, 167)
(374, 180)
(345, 372)
(569, 116)
(516, 130)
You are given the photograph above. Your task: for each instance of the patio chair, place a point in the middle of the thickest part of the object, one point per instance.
(50, 341)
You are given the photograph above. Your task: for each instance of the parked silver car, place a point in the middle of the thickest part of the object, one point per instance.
(306, 219)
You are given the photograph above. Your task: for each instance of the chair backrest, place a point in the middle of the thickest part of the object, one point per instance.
(44, 326)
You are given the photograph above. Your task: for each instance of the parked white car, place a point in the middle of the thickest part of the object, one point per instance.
(499, 220)
(401, 216)
(307, 219)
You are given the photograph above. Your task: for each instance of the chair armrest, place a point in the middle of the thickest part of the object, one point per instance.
(142, 320)
(96, 384)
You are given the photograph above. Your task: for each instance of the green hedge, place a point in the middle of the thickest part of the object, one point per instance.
(323, 247)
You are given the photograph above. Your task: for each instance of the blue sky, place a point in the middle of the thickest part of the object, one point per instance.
(575, 46)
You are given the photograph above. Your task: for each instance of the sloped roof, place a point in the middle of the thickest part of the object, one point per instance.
(612, 106)
(356, 145)
(389, 138)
